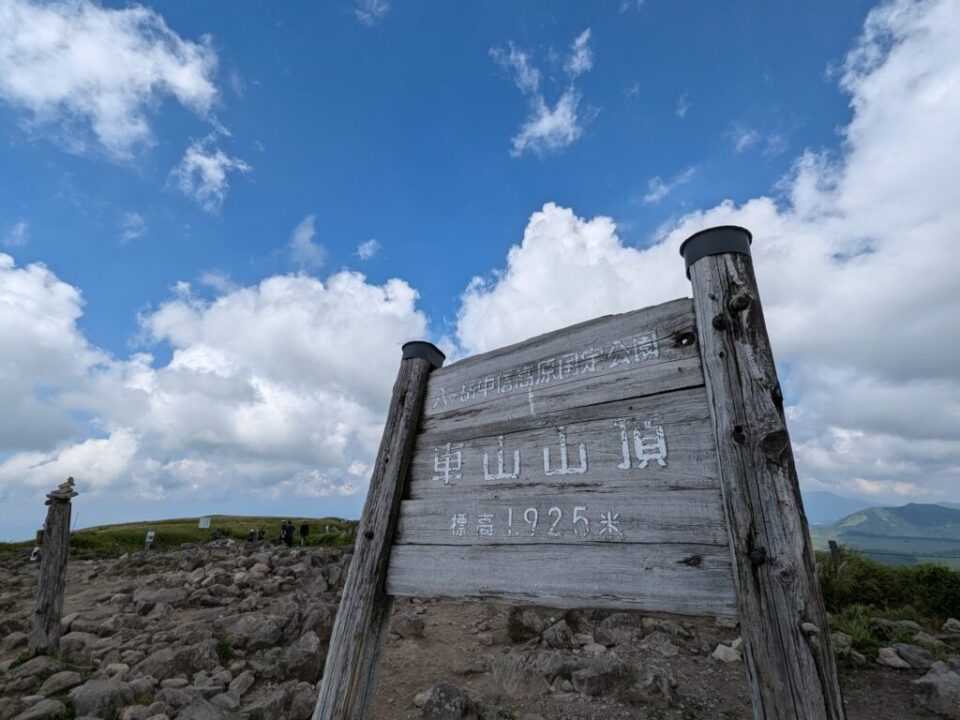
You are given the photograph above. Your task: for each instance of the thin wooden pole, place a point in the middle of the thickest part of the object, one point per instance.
(790, 664)
(349, 677)
(52, 580)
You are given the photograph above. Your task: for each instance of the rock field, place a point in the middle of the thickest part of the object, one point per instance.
(227, 630)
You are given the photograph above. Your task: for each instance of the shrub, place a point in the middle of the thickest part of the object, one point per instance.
(905, 592)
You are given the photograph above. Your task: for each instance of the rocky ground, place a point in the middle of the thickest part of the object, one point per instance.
(232, 631)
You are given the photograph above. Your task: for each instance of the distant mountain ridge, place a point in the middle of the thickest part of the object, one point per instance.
(915, 520)
(915, 532)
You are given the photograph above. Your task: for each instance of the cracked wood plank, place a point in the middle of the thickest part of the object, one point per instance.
(786, 635)
(683, 579)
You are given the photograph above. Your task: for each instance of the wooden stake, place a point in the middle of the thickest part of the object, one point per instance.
(349, 677)
(790, 663)
(54, 553)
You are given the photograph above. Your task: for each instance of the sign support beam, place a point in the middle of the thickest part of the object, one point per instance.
(789, 660)
(349, 677)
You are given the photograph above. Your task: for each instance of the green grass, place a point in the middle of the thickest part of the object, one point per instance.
(113, 540)
(224, 648)
(900, 591)
(860, 593)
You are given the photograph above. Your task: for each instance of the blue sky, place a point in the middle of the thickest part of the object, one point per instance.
(180, 164)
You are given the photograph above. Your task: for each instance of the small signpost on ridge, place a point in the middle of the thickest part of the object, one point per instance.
(637, 461)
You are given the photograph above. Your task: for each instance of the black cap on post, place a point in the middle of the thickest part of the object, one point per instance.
(423, 349)
(715, 241)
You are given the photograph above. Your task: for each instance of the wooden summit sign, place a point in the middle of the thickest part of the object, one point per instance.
(637, 461)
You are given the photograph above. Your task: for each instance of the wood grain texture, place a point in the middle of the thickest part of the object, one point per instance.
(610, 358)
(360, 627)
(52, 579)
(653, 515)
(682, 579)
(790, 664)
(690, 461)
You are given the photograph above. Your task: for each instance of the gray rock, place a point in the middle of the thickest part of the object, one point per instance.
(559, 636)
(304, 661)
(727, 654)
(928, 641)
(888, 656)
(75, 646)
(177, 697)
(940, 691)
(407, 625)
(179, 660)
(915, 657)
(43, 710)
(952, 626)
(26, 676)
(144, 599)
(241, 683)
(301, 702)
(253, 631)
(527, 623)
(203, 710)
(447, 702)
(516, 678)
(103, 698)
(60, 682)
(13, 640)
(9, 707)
(604, 675)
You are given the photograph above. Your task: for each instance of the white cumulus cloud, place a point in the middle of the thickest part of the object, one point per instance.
(856, 261)
(270, 389)
(79, 69)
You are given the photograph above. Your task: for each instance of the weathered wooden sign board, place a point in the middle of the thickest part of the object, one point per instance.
(636, 461)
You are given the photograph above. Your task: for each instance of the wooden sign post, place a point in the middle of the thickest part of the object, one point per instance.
(636, 461)
(52, 578)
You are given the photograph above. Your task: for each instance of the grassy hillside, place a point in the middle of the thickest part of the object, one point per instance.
(905, 535)
(109, 540)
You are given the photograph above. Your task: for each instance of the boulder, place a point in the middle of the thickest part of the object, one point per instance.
(43, 710)
(179, 660)
(305, 659)
(447, 702)
(253, 631)
(102, 698)
(203, 710)
(144, 599)
(516, 678)
(888, 656)
(915, 657)
(952, 626)
(559, 636)
(10, 707)
(940, 691)
(604, 675)
(527, 623)
(60, 682)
